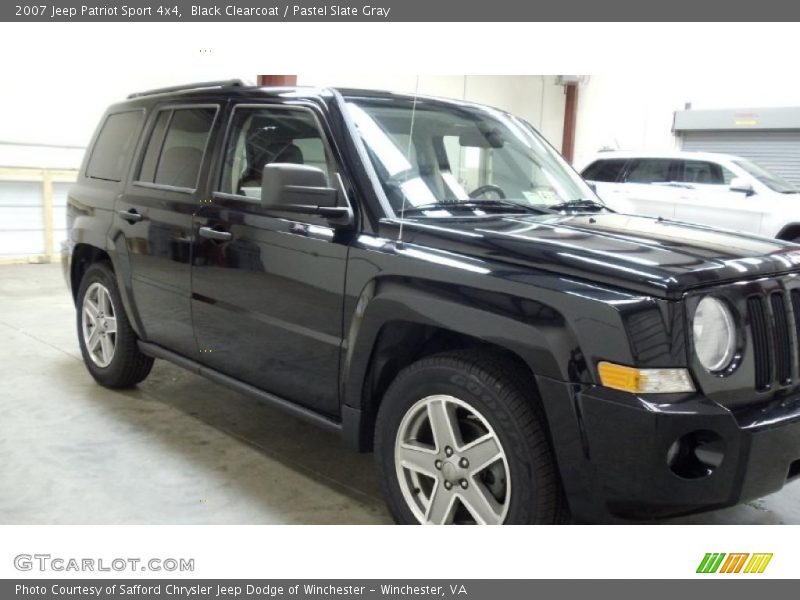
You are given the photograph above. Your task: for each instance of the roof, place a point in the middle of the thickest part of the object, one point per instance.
(235, 87)
(673, 154)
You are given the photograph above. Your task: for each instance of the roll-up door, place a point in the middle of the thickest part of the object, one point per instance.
(777, 151)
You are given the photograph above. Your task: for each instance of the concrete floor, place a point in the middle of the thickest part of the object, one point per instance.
(178, 449)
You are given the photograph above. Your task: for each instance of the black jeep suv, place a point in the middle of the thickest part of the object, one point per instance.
(433, 281)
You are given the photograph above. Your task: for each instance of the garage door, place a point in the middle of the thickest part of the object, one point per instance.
(777, 151)
(21, 219)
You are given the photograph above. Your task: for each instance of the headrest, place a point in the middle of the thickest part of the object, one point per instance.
(284, 153)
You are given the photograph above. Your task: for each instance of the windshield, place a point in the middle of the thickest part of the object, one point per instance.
(772, 181)
(434, 157)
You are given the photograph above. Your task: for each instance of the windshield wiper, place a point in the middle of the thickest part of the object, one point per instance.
(470, 204)
(584, 203)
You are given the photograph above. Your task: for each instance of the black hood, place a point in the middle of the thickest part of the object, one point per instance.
(659, 257)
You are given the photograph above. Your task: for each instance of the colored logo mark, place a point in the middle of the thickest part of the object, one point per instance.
(719, 562)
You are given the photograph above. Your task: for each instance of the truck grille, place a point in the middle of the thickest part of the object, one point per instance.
(760, 332)
(783, 339)
(772, 339)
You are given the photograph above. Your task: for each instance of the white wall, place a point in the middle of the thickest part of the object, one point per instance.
(535, 98)
(635, 111)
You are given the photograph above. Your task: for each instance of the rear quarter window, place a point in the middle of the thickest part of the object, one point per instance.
(113, 148)
(604, 170)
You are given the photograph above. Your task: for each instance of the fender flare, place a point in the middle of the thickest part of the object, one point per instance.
(546, 347)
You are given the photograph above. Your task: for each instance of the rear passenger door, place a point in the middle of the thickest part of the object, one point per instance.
(154, 221)
(267, 288)
(649, 187)
(605, 175)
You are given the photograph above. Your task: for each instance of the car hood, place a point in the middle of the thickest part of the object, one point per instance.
(656, 256)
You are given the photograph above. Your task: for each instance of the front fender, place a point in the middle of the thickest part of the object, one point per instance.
(558, 336)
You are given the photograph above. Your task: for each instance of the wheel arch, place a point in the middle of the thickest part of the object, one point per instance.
(397, 324)
(83, 256)
(790, 232)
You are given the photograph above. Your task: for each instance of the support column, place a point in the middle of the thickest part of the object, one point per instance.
(277, 80)
(570, 117)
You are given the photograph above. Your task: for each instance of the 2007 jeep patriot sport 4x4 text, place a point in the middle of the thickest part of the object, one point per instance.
(433, 281)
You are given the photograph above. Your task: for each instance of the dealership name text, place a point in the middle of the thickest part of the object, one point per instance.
(222, 591)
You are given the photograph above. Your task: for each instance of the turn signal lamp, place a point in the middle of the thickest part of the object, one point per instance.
(644, 381)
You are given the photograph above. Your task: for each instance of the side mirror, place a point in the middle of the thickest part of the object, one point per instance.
(287, 184)
(740, 184)
(303, 189)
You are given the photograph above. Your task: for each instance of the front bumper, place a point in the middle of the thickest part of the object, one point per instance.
(612, 450)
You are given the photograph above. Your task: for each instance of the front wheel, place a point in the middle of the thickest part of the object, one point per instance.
(459, 440)
(108, 343)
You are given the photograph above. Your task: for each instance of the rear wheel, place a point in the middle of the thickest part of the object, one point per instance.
(107, 341)
(459, 440)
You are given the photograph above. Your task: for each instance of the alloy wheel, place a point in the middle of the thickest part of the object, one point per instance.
(99, 324)
(450, 464)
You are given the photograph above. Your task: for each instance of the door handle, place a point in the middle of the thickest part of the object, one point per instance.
(213, 234)
(131, 215)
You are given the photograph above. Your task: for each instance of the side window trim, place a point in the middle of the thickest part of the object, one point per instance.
(150, 130)
(216, 181)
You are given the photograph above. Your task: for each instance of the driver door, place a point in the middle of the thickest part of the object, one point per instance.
(267, 292)
(710, 201)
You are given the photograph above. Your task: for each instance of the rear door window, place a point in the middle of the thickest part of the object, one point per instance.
(114, 146)
(650, 170)
(176, 147)
(604, 170)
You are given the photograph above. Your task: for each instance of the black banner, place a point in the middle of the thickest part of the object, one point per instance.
(374, 589)
(398, 11)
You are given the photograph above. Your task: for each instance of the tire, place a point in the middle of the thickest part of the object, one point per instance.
(489, 407)
(124, 366)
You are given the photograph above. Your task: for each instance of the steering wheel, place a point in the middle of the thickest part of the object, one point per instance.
(489, 187)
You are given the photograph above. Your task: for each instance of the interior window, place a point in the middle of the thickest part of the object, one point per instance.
(604, 170)
(655, 170)
(176, 146)
(114, 146)
(261, 136)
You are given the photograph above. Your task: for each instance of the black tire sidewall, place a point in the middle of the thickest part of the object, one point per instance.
(429, 380)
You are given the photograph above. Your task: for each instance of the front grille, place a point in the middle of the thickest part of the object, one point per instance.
(783, 339)
(760, 331)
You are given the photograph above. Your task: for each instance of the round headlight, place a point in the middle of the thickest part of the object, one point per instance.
(714, 334)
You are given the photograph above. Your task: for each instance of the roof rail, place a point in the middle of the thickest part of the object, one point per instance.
(189, 86)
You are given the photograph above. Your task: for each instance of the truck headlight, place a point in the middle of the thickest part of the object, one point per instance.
(714, 334)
